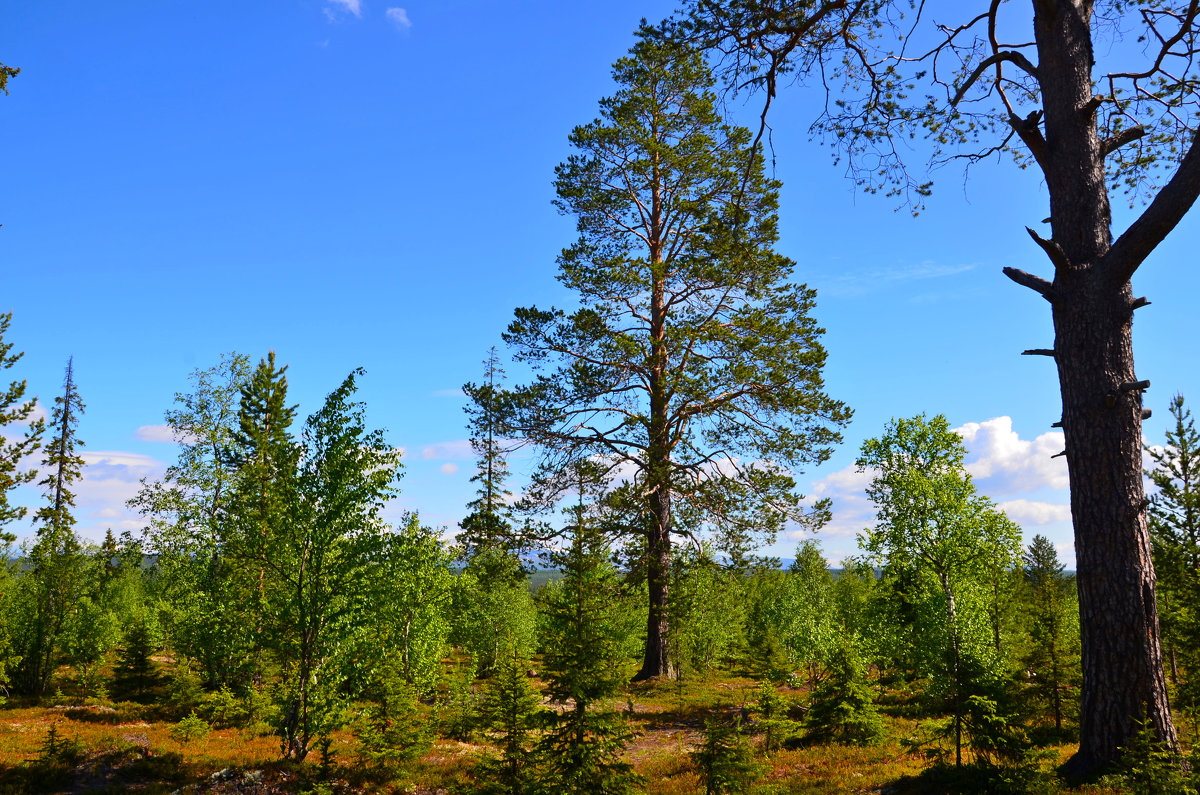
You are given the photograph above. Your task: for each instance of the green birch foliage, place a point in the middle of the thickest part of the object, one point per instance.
(15, 410)
(112, 595)
(493, 607)
(206, 597)
(321, 557)
(794, 609)
(410, 608)
(931, 523)
(707, 609)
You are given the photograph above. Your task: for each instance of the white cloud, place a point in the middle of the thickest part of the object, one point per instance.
(110, 478)
(398, 17)
(1005, 464)
(154, 433)
(449, 468)
(1026, 512)
(351, 6)
(1019, 471)
(456, 450)
(852, 511)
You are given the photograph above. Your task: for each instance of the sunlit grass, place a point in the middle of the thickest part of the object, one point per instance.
(127, 746)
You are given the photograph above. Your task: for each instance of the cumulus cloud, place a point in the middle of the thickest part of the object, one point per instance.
(449, 468)
(350, 6)
(1005, 464)
(398, 17)
(1019, 472)
(1026, 512)
(154, 433)
(852, 511)
(109, 479)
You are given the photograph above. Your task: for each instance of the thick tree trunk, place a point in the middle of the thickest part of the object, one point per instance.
(658, 568)
(658, 458)
(1092, 302)
(1123, 677)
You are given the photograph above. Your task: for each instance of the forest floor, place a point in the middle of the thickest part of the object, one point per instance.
(129, 747)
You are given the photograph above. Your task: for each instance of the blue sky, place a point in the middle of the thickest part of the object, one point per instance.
(360, 183)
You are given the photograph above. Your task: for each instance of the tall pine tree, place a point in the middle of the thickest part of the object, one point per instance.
(55, 561)
(692, 358)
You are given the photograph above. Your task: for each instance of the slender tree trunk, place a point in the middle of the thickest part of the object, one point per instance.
(955, 666)
(1056, 680)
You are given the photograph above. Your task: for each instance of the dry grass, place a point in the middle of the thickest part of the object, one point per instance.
(129, 747)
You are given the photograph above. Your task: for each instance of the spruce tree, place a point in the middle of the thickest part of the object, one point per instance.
(55, 561)
(725, 759)
(263, 457)
(490, 523)
(263, 454)
(843, 706)
(584, 661)
(391, 729)
(15, 409)
(1053, 656)
(512, 711)
(772, 721)
(134, 673)
(1175, 535)
(64, 466)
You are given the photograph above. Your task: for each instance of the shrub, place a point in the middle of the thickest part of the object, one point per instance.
(190, 728)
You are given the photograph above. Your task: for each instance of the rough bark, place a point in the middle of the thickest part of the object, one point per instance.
(658, 566)
(1123, 680)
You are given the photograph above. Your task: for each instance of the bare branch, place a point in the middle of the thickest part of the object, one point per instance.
(1052, 249)
(1115, 142)
(1157, 220)
(1009, 56)
(1035, 283)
